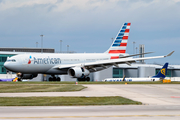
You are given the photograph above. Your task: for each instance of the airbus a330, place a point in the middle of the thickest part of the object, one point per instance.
(77, 65)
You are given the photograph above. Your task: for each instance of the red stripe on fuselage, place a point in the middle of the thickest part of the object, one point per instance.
(117, 51)
(114, 57)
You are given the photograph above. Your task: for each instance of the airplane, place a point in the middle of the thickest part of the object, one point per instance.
(77, 65)
(9, 80)
(160, 76)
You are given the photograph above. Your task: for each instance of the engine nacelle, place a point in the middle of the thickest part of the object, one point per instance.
(78, 72)
(28, 76)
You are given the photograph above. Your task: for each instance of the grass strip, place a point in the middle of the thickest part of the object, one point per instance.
(15, 88)
(65, 101)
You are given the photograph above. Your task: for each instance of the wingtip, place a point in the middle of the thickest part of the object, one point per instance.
(170, 54)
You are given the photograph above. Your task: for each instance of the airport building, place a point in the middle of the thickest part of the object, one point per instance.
(45, 50)
(135, 70)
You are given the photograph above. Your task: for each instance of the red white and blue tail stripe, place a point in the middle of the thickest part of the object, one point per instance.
(120, 42)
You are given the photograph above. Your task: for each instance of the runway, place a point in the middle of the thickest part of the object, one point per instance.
(160, 101)
(125, 112)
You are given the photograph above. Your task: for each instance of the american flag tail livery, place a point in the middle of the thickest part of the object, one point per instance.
(120, 42)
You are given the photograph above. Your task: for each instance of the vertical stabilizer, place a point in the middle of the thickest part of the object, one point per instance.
(162, 73)
(120, 42)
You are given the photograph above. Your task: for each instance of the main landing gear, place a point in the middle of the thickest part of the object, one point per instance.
(53, 78)
(84, 79)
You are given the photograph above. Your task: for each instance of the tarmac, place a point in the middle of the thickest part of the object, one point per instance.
(160, 101)
(150, 94)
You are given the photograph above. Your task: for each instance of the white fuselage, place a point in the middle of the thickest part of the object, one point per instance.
(45, 63)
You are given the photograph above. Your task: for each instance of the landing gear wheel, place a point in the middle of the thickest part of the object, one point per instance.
(84, 79)
(50, 79)
(58, 79)
(19, 80)
(88, 79)
(53, 78)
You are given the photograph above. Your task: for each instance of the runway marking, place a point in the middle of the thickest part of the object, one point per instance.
(88, 116)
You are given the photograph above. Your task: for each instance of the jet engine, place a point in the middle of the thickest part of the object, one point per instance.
(27, 76)
(78, 72)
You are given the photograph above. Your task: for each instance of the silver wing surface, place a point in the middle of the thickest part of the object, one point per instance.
(92, 66)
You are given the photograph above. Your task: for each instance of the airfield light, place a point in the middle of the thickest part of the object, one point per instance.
(36, 44)
(60, 46)
(134, 46)
(42, 43)
(67, 48)
(112, 39)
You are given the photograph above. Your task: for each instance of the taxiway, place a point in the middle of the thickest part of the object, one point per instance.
(160, 101)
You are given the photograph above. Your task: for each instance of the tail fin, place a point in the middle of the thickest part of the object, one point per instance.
(120, 42)
(162, 73)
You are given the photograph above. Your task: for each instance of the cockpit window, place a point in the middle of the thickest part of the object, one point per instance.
(12, 60)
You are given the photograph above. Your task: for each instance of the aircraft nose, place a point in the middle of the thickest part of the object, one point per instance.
(6, 65)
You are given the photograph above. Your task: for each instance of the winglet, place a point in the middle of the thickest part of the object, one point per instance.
(169, 54)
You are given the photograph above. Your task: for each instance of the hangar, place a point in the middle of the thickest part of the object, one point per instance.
(136, 70)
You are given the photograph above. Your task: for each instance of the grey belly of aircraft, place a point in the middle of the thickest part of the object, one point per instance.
(44, 69)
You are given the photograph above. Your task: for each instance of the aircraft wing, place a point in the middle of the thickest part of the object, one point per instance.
(106, 63)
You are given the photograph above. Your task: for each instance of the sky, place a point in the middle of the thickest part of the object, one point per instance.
(88, 25)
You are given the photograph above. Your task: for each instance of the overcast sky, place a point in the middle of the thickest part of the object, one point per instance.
(89, 25)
